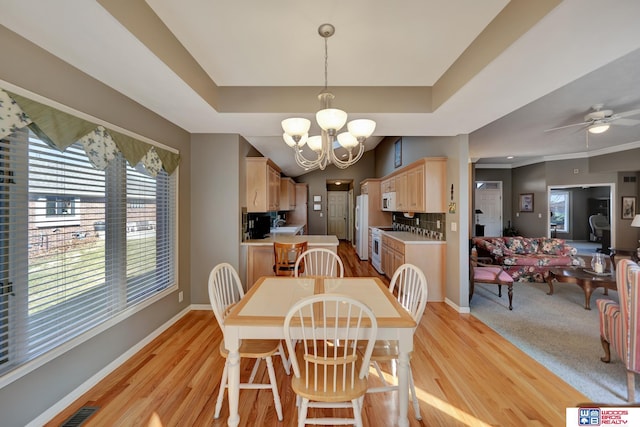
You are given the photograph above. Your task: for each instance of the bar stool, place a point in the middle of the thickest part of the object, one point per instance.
(286, 255)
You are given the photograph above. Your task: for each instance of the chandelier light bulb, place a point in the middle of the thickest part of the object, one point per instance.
(315, 143)
(291, 142)
(361, 128)
(296, 126)
(331, 119)
(347, 140)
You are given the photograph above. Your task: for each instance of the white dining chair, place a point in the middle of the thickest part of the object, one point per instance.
(225, 290)
(319, 262)
(329, 371)
(409, 284)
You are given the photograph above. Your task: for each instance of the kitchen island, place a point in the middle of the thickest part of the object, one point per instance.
(260, 256)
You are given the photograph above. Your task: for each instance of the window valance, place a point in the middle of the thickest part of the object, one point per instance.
(60, 130)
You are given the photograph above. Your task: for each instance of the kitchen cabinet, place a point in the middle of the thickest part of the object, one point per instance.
(287, 194)
(388, 185)
(402, 194)
(429, 257)
(421, 186)
(263, 185)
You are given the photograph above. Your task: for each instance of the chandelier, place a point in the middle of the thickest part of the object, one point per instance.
(330, 120)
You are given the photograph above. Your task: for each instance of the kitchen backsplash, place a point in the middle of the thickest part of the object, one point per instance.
(432, 225)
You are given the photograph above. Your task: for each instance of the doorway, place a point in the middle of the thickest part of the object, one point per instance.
(337, 213)
(570, 207)
(488, 208)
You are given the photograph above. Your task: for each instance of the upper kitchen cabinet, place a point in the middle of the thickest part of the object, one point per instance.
(287, 194)
(263, 185)
(388, 185)
(420, 187)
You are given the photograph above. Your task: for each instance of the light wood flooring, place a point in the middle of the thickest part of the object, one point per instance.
(465, 375)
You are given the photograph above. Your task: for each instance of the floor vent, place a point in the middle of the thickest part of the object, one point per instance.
(82, 415)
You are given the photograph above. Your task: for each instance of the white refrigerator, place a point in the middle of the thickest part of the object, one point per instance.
(362, 226)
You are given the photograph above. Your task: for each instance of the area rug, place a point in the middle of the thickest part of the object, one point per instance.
(558, 332)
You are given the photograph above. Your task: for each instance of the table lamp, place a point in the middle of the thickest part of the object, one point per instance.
(478, 212)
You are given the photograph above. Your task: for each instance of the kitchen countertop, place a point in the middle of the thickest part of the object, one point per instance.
(313, 240)
(412, 238)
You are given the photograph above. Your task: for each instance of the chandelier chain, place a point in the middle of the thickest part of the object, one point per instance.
(326, 63)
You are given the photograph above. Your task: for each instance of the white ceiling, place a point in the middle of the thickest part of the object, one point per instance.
(583, 52)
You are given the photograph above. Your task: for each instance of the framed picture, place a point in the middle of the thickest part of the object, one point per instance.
(526, 202)
(317, 198)
(628, 207)
(317, 206)
(397, 158)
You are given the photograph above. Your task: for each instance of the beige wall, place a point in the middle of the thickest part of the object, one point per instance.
(33, 69)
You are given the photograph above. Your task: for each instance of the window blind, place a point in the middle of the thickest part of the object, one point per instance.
(77, 245)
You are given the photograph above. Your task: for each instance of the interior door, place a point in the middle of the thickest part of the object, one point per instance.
(489, 200)
(337, 205)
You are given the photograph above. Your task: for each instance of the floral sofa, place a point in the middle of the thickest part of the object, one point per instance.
(527, 259)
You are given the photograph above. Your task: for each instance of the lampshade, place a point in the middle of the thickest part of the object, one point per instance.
(315, 142)
(288, 139)
(636, 221)
(598, 128)
(331, 119)
(296, 126)
(361, 128)
(347, 140)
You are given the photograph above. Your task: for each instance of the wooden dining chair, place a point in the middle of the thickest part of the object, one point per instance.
(409, 284)
(286, 255)
(328, 370)
(225, 290)
(319, 262)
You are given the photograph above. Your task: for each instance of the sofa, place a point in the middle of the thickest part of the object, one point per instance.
(527, 259)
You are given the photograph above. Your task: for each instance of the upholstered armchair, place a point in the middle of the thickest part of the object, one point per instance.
(620, 323)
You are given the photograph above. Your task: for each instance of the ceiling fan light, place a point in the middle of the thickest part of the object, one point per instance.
(331, 119)
(361, 128)
(315, 143)
(598, 128)
(347, 140)
(296, 126)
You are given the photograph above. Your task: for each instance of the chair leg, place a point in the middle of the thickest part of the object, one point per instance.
(254, 371)
(510, 294)
(607, 351)
(223, 386)
(285, 361)
(414, 397)
(631, 387)
(302, 412)
(380, 373)
(357, 412)
(499, 291)
(274, 387)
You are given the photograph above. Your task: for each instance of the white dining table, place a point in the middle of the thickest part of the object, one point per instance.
(260, 315)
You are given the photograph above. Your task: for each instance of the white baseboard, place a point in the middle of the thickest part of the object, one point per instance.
(62, 404)
(456, 307)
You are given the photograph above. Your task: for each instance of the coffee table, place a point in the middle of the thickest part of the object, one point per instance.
(581, 277)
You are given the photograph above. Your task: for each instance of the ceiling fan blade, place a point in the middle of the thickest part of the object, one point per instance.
(626, 122)
(627, 113)
(568, 126)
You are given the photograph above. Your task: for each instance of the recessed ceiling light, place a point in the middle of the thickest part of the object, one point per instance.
(509, 157)
(338, 183)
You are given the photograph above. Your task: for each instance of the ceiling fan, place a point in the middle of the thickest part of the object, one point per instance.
(599, 120)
